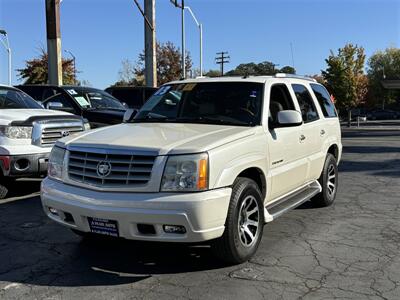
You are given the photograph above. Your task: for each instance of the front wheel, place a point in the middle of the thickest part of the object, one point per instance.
(244, 223)
(329, 183)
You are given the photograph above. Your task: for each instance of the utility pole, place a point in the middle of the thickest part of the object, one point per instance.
(53, 42)
(182, 7)
(150, 59)
(8, 49)
(222, 59)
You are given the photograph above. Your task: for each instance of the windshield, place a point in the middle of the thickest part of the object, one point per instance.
(98, 99)
(230, 103)
(15, 99)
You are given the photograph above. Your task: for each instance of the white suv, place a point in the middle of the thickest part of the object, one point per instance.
(27, 134)
(204, 159)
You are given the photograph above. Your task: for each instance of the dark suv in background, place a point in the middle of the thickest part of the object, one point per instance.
(97, 106)
(133, 96)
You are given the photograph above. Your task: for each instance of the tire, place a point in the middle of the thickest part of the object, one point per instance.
(236, 244)
(328, 183)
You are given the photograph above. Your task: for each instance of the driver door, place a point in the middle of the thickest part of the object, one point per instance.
(287, 166)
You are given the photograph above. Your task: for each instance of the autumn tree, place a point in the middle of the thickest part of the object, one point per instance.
(36, 70)
(383, 65)
(168, 66)
(344, 77)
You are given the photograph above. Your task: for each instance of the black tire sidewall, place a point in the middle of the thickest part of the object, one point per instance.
(329, 161)
(242, 189)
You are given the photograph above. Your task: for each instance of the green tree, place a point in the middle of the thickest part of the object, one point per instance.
(345, 78)
(213, 73)
(36, 71)
(288, 70)
(383, 65)
(263, 68)
(168, 64)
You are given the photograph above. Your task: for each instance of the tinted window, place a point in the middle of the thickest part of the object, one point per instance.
(324, 100)
(10, 98)
(132, 97)
(306, 103)
(230, 103)
(279, 100)
(64, 100)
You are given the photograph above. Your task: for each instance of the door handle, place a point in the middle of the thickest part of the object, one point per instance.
(302, 138)
(322, 132)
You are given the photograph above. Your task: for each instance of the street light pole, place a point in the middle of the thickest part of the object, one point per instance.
(74, 62)
(7, 46)
(183, 41)
(201, 37)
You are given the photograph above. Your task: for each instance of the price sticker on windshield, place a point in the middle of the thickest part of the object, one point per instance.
(188, 87)
(72, 92)
(163, 90)
(82, 101)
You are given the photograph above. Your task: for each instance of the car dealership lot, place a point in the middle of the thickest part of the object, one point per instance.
(350, 250)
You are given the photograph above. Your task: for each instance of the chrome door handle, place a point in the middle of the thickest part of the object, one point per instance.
(302, 138)
(322, 132)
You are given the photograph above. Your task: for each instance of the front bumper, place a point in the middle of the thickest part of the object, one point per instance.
(26, 165)
(202, 214)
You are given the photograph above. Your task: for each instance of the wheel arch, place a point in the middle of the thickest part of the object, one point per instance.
(258, 176)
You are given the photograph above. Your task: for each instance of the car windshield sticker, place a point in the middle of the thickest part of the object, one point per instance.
(162, 90)
(253, 94)
(82, 101)
(72, 92)
(188, 87)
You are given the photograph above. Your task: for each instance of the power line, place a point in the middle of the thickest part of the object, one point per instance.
(221, 59)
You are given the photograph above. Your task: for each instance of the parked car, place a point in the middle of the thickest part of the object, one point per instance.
(27, 134)
(99, 107)
(133, 96)
(213, 159)
(382, 114)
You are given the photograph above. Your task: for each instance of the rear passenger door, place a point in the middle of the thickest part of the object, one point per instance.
(312, 129)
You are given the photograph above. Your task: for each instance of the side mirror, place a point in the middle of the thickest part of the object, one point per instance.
(289, 118)
(129, 114)
(54, 105)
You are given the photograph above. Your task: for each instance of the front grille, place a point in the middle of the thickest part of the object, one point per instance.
(51, 134)
(131, 170)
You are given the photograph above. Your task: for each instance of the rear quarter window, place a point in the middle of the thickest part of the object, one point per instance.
(324, 100)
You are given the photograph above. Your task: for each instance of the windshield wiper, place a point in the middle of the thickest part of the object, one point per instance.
(211, 120)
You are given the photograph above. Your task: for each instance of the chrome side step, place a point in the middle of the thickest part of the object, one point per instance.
(291, 201)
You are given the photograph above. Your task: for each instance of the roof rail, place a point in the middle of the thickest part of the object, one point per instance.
(285, 75)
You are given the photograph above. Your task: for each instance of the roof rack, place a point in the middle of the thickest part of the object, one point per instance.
(285, 75)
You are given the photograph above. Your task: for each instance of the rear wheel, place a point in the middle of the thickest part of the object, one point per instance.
(329, 183)
(244, 223)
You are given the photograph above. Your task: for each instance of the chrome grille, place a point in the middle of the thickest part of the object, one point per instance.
(132, 170)
(51, 134)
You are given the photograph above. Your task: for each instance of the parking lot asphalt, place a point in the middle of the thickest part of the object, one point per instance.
(347, 251)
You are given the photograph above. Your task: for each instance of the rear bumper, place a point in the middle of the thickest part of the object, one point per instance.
(202, 214)
(26, 165)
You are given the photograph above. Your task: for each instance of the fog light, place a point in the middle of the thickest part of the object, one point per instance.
(174, 229)
(53, 211)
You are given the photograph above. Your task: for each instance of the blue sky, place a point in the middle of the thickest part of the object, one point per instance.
(101, 33)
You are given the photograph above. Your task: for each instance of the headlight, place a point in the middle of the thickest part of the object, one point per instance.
(86, 126)
(56, 163)
(16, 132)
(186, 173)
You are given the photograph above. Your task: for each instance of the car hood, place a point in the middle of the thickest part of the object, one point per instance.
(160, 138)
(9, 115)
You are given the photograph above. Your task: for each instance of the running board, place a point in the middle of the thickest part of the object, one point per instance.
(291, 201)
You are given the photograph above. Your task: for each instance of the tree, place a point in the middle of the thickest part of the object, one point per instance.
(213, 73)
(36, 71)
(288, 70)
(263, 68)
(126, 74)
(344, 77)
(383, 65)
(168, 64)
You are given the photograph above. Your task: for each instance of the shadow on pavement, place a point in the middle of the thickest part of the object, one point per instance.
(370, 149)
(36, 251)
(22, 188)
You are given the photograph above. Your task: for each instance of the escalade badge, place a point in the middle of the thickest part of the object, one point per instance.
(103, 169)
